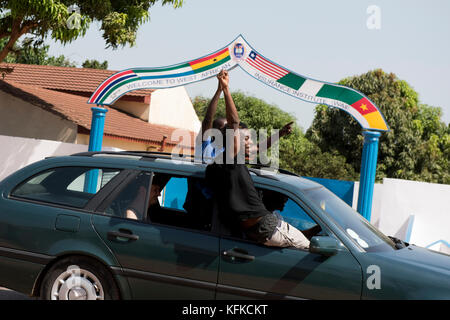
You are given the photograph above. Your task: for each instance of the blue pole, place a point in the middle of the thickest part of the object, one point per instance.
(95, 144)
(368, 171)
(97, 127)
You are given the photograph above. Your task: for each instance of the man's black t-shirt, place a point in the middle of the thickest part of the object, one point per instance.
(238, 198)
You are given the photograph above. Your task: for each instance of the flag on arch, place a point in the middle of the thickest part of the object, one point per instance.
(240, 53)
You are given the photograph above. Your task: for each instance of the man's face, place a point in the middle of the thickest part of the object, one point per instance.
(155, 192)
(249, 146)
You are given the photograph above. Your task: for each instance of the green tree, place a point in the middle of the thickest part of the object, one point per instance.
(296, 153)
(95, 64)
(120, 20)
(415, 148)
(34, 52)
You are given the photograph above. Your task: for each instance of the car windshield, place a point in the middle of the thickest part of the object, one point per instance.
(357, 227)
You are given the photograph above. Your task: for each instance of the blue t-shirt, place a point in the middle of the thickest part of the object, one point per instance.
(210, 151)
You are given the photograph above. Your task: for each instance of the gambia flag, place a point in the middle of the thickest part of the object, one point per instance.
(179, 74)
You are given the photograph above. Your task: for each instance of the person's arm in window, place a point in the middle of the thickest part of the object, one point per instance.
(138, 202)
(131, 214)
(311, 232)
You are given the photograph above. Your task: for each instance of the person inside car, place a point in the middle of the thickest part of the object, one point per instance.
(154, 208)
(275, 203)
(238, 199)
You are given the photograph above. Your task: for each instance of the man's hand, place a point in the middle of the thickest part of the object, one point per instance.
(223, 79)
(212, 107)
(311, 232)
(287, 129)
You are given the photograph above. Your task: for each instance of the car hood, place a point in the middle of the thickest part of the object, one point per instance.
(424, 258)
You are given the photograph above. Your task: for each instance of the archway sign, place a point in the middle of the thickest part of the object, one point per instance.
(240, 53)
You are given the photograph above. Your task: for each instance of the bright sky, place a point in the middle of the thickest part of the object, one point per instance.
(323, 39)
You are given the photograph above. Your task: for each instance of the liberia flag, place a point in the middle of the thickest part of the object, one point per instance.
(265, 66)
(274, 71)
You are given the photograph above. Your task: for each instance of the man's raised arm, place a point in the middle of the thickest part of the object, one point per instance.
(211, 111)
(230, 109)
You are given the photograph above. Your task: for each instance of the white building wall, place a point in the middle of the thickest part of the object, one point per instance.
(418, 210)
(22, 119)
(16, 152)
(173, 107)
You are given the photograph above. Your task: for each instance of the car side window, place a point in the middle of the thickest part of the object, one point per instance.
(70, 186)
(164, 199)
(181, 202)
(131, 202)
(287, 209)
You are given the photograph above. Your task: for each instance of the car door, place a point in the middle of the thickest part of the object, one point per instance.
(47, 215)
(251, 270)
(160, 260)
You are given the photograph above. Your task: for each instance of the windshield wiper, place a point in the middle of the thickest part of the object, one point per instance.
(399, 244)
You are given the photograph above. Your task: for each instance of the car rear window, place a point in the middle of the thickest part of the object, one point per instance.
(70, 186)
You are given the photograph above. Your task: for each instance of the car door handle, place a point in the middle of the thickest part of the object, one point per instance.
(238, 253)
(124, 234)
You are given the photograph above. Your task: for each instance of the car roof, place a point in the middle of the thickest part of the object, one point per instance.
(185, 164)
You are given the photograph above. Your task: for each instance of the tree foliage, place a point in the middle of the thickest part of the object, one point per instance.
(119, 19)
(34, 52)
(95, 64)
(296, 153)
(415, 148)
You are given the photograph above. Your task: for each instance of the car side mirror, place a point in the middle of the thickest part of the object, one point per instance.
(324, 245)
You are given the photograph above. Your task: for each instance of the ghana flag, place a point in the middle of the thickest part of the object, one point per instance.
(163, 77)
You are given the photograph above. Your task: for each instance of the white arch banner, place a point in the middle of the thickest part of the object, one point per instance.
(240, 53)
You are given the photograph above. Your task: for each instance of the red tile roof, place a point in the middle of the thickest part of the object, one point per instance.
(69, 79)
(74, 108)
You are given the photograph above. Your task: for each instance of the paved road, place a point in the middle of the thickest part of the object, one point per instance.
(6, 294)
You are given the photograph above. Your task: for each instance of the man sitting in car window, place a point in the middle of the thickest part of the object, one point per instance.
(238, 199)
(275, 202)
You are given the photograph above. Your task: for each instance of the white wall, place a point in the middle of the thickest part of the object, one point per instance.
(22, 119)
(138, 109)
(16, 152)
(173, 107)
(398, 204)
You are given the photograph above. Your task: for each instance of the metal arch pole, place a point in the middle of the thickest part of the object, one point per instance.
(368, 172)
(97, 128)
(95, 144)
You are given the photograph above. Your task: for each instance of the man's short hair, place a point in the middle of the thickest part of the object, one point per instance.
(243, 125)
(160, 179)
(219, 123)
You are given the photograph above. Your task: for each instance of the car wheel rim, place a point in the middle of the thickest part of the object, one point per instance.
(77, 284)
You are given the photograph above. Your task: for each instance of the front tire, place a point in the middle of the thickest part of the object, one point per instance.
(78, 278)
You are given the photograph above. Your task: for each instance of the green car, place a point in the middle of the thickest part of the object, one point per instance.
(85, 227)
